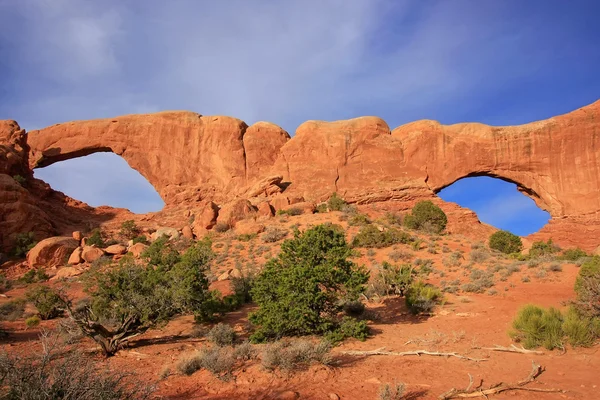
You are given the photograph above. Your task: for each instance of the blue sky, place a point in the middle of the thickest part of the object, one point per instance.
(497, 62)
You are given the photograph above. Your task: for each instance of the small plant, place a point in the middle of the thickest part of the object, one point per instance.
(129, 230)
(535, 327)
(540, 249)
(290, 211)
(335, 203)
(505, 242)
(95, 239)
(398, 255)
(5, 284)
(581, 330)
(246, 237)
(244, 352)
(359, 220)
(479, 255)
(371, 236)
(222, 335)
(32, 322)
(46, 301)
(274, 234)
(348, 328)
(23, 243)
(12, 310)
(33, 276)
(555, 267)
(422, 297)
(222, 227)
(393, 218)
(587, 288)
(20, 179)
(391, 392)
(189, 363)
(218, 360)
(141, 239)
(573, 254)
(321, 208)
(427, 217)
(295, 355)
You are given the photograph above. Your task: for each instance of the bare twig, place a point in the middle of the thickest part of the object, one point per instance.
(536, 371)
(511, 349)
(382, 352)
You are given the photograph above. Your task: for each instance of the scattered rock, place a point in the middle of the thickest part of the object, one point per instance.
(224, 276)
(51, 252)
(334, 396)
(91, 254)
(66, 272)
(235, 273)
(75, 257)
(77, 235)
(137, 249)
(248, 227)
(116, 249)
(186, 232)
(288, 395)
(265, 209)
(172, 233)
(235, 211)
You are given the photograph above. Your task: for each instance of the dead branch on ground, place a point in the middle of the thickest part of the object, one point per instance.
(511, 349)
(536, 371)
(382, 352)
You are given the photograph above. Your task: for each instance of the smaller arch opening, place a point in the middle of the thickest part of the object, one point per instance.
(497, 202)
(102, 179)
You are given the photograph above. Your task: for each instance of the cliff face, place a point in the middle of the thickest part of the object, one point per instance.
(192, 160)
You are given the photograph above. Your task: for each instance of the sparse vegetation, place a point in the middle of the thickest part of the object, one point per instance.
(46, 301)
(318, 258)
(222, 335)
(335, 203)
(587, 288)
(427, 217)
(391, 392)
(371, 236)
(573, 254)
(129, 230)
(293, 211)
(422, 297)
(33, 276)
(23, 243)
(274, 234)
(95, 239)
(540, 249)
(293, 355)
(505, 242)
(12, 310)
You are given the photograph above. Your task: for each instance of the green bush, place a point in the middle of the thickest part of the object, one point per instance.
(370, 236)
(541, 248)
(5, 283)
(141, 239)
(579, 329)
(23, 243)
(246, 237)
(587, 288)
(129, 230)
(535, 327)
(397, 279)
(426, 216)
(300, 292)
(32, 322)
(335, 203)
(573, 254)
(20, 179)
(128, 300)
(46, 300)
(422, 297)
(12, 310)
(321, 208)
(95, 239)
(33, 276)
(392, 218)
(290, 211)
(505, 242)
(348, 328)
(222, 335)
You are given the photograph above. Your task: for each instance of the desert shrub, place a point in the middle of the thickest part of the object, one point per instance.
(274, 234)
(23, 243)
(129, 230)
(393, 218)
(426, 216)
(46, 300)
(535, 327)
(128, 300)
(222, 335)
(371, 236)
(335, 203)
(555, 267)
(20, 179)
(12, 310)
(359, 220)
(354, 308)
(218, 360)
(5, 283)
(295, 355)
(505, 242)
(244, 352)
(321, 208)
(293, 211)
(189, 363)
(95, 239)
(480, 280)
(32, 322)
(398, 255)
(587, 288)
(573, 254)
(422, 297)
(391, 392)
(141, 239)
(55, 373)
(541, 248)
(580, 330)
(479, 255)
(397, 279)
(349, 327)
(453, 260)
(221, 227)
(318, 258)
(246, 237)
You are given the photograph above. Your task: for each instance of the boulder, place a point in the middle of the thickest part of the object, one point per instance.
(75, 257)
(77, 235)
(266, 187)
(137, 249)
(248, 227)
(91, 253)
(186, 232)
(280, 202)
(206, 219)
(116, 249)
(172, 233)
(51, 252)
(67, 272)
(265, 209)
(235, 211)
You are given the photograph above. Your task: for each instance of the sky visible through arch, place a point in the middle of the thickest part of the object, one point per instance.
(497, 62)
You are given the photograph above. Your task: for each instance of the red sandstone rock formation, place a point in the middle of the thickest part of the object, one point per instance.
(192, 160)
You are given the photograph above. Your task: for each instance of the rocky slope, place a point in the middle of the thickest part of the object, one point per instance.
(206, 167)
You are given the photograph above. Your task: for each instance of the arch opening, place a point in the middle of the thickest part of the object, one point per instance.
(498, 202)
(102, 179)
